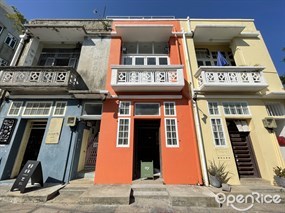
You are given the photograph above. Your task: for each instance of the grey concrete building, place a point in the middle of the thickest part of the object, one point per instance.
(56, 93)
(9, 35)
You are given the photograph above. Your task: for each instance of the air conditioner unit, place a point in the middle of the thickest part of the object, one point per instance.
(71, 121)
(269, 123)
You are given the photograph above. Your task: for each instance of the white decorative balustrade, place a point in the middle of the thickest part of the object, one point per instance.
(38, 79)
(231, 78)
(147, 78)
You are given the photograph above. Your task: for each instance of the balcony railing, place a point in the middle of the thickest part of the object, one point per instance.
(147, 78)
(231, 78)
(40, 79)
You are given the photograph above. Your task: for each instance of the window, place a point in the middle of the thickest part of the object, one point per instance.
(92, 109)
(144, 60)
(37, 108)
(218, 133)
(275, 109)
(145, 48)
(15, 108)
(10, 41)
(145, 53)
(3, 62)
(59, 57)
(209, 58)
(147, 109)
(232, 108)
(123, 132)
(59, 108)
(171, 132)
(169, 108)
(125, 108)
(213, 108)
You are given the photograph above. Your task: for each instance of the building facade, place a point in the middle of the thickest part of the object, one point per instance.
(105, 96)
(240, 105)
(9, 35)
(148, 117)
(55, 99)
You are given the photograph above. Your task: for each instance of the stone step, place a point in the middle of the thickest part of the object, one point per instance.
(148, 187)
(151, 194)
(254, 181)
(76, 191)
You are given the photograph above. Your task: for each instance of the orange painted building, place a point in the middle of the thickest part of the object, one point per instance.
(148, 115)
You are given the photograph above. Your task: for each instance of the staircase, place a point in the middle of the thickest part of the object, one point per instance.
(243, 154)
(149, 190)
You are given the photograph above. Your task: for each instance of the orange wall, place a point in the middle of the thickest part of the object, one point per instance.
(114, 165)
(179, 165)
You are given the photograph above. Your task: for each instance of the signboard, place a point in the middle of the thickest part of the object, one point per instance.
(54, 130)
(32, 170)
(6, 130)
(147, 169)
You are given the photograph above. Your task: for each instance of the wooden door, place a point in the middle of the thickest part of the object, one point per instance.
(243, 152)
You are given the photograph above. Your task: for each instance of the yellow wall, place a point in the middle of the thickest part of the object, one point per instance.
(247, 52)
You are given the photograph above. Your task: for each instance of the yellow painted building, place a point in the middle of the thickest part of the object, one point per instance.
(239, 108)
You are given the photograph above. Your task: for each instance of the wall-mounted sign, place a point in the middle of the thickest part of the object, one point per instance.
(54, 130)
(32, 170)
(6, 130)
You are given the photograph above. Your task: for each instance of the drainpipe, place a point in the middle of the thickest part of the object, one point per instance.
(196, 115)
(24, 38)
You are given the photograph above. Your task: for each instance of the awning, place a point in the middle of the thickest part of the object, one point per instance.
(144, 33)
(216, 33)
(56, 33)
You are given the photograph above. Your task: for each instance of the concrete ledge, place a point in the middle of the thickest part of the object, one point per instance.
(107, 195)
(34, 194)
(186, 195)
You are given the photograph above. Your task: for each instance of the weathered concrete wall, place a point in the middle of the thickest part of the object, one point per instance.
(93, 62)
(90, 25)
(7, 52)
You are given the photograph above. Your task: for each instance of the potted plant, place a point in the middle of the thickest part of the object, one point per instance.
(279, 176)
(218, 174)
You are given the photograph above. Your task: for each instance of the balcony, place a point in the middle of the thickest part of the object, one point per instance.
(126, 78)
(231, 78)
(40, 80)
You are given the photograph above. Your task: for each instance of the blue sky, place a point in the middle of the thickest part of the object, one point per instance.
(269, 15)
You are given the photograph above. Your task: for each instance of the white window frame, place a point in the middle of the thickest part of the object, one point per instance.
(213, 102)
(3, 62)
(130, 107)
(33, 115)
(212, 130)
(174, 108)
(13, 38)
(209, 58)
(236, 102)
(147, 103)
(177, 135)
(20, 108)
(56, 115)
(129, 133)
(145, 57)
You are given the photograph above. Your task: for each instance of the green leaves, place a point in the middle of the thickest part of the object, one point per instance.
(219, 171)
(18, 19)
(279, 171)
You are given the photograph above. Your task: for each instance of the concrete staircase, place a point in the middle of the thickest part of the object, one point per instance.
(142, 191)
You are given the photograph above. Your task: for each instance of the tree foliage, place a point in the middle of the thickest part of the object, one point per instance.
(18, 19)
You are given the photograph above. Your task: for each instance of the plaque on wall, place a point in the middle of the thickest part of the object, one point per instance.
(6, 130)
(54, 130)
